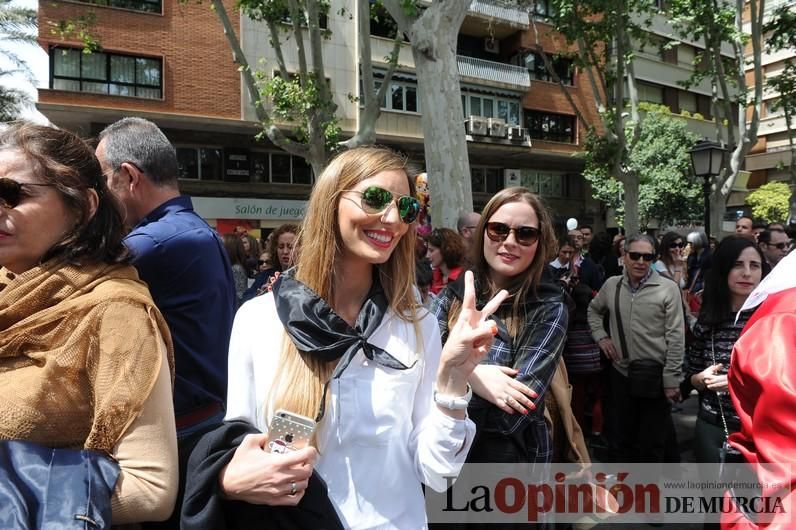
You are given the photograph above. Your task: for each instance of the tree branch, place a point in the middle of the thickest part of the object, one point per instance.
(548, 64)
(295, 18)
(276, 44)
(273, 132)
(403, 21)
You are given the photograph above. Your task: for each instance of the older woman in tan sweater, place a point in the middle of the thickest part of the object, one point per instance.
(85, 357)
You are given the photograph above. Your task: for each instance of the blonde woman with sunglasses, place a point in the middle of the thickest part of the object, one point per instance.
(512, 245)
(344, 339)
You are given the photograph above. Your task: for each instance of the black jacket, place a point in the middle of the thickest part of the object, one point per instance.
(204, 506)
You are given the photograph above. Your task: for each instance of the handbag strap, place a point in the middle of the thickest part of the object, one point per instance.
(718, 397)
(619, 319)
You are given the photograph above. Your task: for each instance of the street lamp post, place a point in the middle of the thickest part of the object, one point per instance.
(706, 160)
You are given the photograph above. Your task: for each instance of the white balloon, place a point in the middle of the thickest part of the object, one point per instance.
(572, 223)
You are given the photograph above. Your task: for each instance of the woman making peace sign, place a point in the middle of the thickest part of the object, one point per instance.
(346, 341)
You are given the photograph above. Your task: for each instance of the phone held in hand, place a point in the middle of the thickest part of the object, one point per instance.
(289, 432)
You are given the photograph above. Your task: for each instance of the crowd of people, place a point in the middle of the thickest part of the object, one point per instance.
(131, 329)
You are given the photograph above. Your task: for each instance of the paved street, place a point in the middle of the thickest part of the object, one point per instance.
(684, 421)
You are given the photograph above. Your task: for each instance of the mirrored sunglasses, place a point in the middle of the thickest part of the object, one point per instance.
(12, 192)
(525, 235)
(376, 200)
(635, 256)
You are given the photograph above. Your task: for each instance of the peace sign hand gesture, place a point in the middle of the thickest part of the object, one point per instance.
(468, 341)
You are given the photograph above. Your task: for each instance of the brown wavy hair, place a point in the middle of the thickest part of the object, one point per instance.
(273, 247)
(450, 245)
(68, 163)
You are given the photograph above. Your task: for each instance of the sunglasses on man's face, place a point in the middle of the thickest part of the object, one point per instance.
(12, 192)
(376, 200)
(635, 256)
(780, 246)
(677, 244)
(525, 235)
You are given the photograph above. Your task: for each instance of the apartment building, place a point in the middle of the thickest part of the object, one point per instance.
(769, 159)
(170, 62)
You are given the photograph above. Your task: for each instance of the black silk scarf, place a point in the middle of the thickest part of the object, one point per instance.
(318, 331)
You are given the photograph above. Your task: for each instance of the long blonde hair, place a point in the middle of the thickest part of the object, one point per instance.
(299, 380)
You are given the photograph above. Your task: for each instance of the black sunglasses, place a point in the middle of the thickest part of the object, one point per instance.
(677, 245)
(377, 200)
(12, 192)
(780, 246)
(525, 235)
(635, 256)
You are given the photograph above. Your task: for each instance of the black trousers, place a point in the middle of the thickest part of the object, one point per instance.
(644, 426)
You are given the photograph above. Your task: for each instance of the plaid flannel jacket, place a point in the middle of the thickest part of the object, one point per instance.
(534, 353)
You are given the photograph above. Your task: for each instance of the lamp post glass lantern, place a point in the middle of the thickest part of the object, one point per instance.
(706, 161)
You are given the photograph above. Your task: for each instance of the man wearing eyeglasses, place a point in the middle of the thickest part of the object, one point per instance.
(646, 345)
(774, 244)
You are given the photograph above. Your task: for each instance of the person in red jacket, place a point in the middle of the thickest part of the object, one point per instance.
(446, 252)
(762, 381)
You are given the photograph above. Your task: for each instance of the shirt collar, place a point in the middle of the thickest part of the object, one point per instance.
(182, 202)
(641, 283)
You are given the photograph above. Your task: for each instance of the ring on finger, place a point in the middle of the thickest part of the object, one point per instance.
(293, 489)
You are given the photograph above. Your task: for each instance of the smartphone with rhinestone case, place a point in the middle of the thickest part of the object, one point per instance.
(289, 432)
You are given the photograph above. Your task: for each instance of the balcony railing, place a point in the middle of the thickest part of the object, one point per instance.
(512, 15)
(492, 71)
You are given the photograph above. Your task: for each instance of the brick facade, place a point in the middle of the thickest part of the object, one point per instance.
(199, 77)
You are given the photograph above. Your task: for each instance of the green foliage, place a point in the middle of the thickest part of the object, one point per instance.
(17, 27)
(770, 202)
(654, 107)
(79, 28)
(711, 22)
(781, 29)
(295, 104)
(12, 101)
(662, 163)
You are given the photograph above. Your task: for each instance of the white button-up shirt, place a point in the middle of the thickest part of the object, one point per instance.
(382, 435)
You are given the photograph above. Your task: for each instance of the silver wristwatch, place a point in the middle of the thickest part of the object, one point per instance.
(453, 402)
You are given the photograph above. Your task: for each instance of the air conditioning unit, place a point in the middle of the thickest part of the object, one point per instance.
(497, 128)
(491, 45)
(476, 126)
(511, 178)
(517, 134)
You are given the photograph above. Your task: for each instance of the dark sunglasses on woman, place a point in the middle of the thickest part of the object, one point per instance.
(377, 200)
(12, 192)
(525, 235)
(677, 244)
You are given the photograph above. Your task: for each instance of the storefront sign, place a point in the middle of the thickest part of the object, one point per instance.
(263, 209)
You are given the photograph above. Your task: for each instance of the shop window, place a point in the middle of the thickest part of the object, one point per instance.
(280, 168)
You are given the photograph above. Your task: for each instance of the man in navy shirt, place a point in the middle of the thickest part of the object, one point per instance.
(185, 265)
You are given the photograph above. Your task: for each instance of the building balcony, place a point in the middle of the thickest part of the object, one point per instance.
(482, 70)
(501, 13)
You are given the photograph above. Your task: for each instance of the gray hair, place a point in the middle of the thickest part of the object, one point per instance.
(641, 237)
(467, 219)
(698, 239)
(141, 142)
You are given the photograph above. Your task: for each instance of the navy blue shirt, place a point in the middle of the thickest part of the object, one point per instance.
(190, 277)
